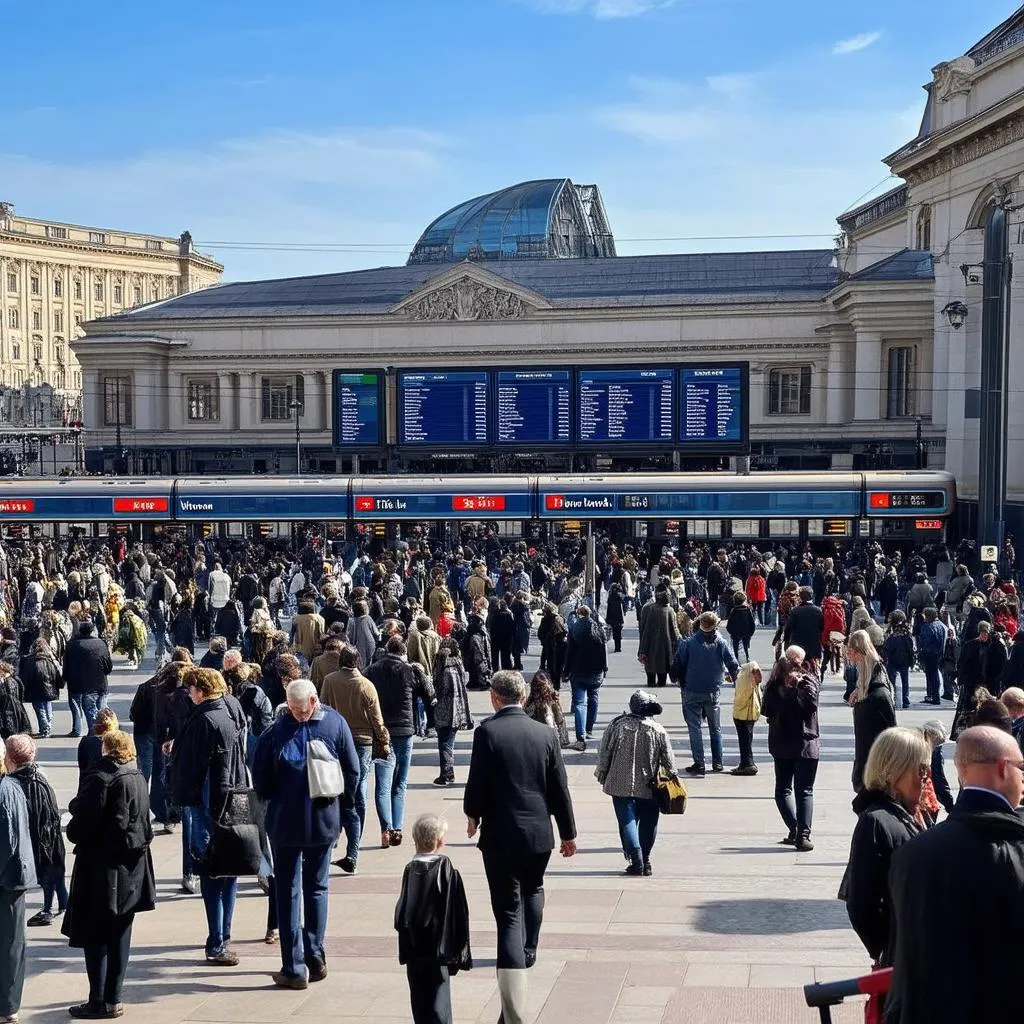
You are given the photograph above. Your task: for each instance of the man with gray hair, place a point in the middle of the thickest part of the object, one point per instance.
(516, 784)
(964, 877)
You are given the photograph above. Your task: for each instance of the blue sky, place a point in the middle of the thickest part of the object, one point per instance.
(355, 122)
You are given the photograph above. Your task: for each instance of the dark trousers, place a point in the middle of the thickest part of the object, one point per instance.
(12, 950)
(798, 774)
(446, 751)
(745, 735)
(430, 993)
(517, 901)
(656, 679)
(930, 663)
(737, 643)
(617, 637)
(106, 963)
(300, 888)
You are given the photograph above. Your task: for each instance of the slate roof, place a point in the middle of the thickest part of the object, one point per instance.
(905, 265)
(620, 281)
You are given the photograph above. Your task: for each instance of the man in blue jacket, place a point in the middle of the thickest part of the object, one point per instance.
(931, 642)
(700, 666)
(302, 831)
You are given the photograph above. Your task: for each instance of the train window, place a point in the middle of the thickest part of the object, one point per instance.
(815, 527)
(702, 528)
(784, 527)
(745, 528)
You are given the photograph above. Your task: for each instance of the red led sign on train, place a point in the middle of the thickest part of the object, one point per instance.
(17, 505)
(130, 505)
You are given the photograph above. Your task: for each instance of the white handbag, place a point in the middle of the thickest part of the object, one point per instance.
(323, 772)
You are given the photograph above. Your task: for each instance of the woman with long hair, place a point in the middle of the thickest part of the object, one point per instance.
(898, 653)
(542, 705)
(874, 710)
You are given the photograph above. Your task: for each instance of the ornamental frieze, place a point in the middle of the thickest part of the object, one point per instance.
(466, 300)
(962, 153)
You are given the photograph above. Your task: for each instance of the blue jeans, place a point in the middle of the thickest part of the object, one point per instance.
(638, 826)
(56, 888)
(150, 759)
(91, 704)
(353, 818)
(903, 675)
(930, 664)
(187, 865)
(300, 890)
(218, 893)
(401, 755)
(44, 715)
(694, 704)
(585, 692)
(77, 714)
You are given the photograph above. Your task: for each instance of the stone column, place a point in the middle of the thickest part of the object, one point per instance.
(837, 386)
(867, 399)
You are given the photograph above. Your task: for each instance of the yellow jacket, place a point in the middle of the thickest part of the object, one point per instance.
(746, 705)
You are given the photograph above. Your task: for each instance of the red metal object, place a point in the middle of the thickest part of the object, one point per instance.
(875, 986)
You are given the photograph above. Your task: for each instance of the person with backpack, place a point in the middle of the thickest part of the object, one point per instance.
(586, 664)
(41, 677)
(44, 827)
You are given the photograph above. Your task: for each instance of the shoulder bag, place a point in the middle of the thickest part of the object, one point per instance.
(670, 793)
(234, 847)
(323, 772)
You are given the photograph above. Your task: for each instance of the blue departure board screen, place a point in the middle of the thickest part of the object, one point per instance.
(534, 407)
(711, 405)
(442, 409)
(358, 409)
(626, 406)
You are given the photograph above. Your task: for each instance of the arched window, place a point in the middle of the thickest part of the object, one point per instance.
(923, 236)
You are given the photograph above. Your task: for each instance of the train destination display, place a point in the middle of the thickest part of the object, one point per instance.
(443, 408)
(711, 405)
(393, 502)
(358, 409)
(534, 407)
(625, 406)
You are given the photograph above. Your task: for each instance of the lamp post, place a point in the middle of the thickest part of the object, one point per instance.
(919, 451)
(296, 408)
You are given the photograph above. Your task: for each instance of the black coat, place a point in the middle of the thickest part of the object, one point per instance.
(872, 715)
(476, 654)
(13, 716)
(792, 713)
(613, 613)
(741, 625)
(113, 873)
(586, 655)
(883, 826)
(803, 628)
(432, 916)
(87, 663)
(964, 877)
(516, 784)
(183, 631)
(41, 677)
(43, 822)
(398, 685)
(501, 625)
(211, 745)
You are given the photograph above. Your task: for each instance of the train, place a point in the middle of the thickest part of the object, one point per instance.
(919, 503)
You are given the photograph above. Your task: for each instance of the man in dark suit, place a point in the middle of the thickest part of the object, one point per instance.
(516, 784)
(804, 625)
(964, 879)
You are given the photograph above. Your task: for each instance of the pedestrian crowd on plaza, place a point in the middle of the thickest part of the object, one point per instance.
(261, 751)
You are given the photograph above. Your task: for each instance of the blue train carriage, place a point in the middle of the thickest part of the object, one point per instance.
(918, 506)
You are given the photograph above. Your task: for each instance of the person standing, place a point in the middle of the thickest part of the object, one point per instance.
(219, 587)
(931, 642)
(615, 615)
(40, 674)
(112, 880)
(17, 875)
(803, 627)
(302, 830)
(701, 665)
(965, 874)
(871, 700)
(746, 710)
(586, 664)
(87, 665)
(516, 784)
(659, 634)
(451, 713)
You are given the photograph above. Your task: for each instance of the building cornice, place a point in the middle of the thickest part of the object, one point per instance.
(100, 248)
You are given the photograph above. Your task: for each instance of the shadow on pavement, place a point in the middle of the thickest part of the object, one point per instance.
(770, 916)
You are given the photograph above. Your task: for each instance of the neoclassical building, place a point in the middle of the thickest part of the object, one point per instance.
(851, 360)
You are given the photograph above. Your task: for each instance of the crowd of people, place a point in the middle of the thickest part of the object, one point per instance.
(285, 681)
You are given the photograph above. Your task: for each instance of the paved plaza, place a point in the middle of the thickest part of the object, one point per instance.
(729, 929)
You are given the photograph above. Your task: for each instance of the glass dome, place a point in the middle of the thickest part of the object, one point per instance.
(546, 219)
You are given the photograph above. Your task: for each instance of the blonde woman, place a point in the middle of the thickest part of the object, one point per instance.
(871, 700)
(886, 807)
(746, 710)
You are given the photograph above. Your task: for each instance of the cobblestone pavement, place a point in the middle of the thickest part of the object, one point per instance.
(729, 929)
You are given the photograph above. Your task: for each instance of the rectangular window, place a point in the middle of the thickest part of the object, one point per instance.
(12, 282)
(34, 285)
(156, 289)
(12, 319)
(117, 401)
(52, 231)
(78, 319)
(276, 398)
(37, 319)
(902, 392)
(97, 291)
(117, 295)
(15, 350)
(58, 350)
(154, 244)
(58, 287)
(78, 378)
(137, 296)
(789, 391)
(58, 320)
(203, 405)
(78, 289)
(97, 238)
(37, 352)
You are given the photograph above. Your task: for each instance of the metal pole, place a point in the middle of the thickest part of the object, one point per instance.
(591, 569)
(919, 446)
(298, 442)
(117, 440)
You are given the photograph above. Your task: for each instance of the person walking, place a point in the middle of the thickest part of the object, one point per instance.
(17, 875)
(362, 633)
(586, 664)
(700, 666)
(746, 710)
(740, 626)
(803, 627)
(553, 636)
(113, 879)
(634, 751)
(354, 697)
(790, 704)
(659, 634)
(302, 829)
(898, 653)
(41, 676)
(516, 784)
(451, 713)
(871, 700)
(614, 614)
(87, 665)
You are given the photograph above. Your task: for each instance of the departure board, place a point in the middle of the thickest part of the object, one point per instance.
(711, 400)
(534, 407)
(358, 409)
(625, 406)
(443, 409)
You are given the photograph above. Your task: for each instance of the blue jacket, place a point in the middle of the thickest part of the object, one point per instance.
(279, 777)
(931, 638)
(17, 864)
(702, 666)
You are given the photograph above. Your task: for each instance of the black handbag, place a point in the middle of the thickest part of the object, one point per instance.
(234, 847)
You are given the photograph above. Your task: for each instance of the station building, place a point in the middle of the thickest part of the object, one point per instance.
(852, 364)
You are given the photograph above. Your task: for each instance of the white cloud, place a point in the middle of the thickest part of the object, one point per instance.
(856, 43)
(603, 10)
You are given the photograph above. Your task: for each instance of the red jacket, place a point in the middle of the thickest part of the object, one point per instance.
(757, 588)
(834, 617)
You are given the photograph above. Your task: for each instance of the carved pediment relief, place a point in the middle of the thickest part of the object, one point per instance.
(953, 77)
(466, 299)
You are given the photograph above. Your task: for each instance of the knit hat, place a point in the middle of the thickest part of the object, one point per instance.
(644, 704)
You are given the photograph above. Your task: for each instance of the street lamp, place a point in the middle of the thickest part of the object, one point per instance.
(296, 408)
(956, 314)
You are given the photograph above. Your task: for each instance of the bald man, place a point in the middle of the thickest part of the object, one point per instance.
(958, 896)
